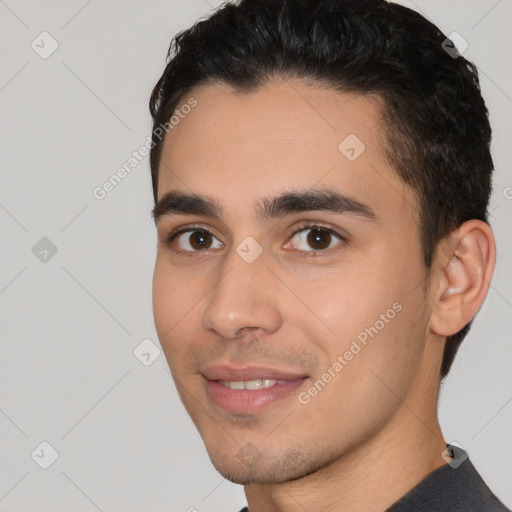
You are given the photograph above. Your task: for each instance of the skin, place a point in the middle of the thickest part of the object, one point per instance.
(372, 432)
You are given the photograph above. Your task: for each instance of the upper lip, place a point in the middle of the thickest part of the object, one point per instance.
(233, 373)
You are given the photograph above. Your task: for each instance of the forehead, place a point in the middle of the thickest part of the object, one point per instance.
(285, 135)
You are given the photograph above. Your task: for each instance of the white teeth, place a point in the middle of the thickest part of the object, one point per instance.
(253, 384)
(248, 384)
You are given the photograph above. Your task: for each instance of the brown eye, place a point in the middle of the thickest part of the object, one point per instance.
(319, 238)
(200, 240)
(195, 240)
(316, 239)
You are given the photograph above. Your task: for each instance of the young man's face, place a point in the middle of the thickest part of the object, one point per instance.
(269, 298)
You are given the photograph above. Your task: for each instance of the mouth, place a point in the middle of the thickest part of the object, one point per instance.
(251, 389)
(251, 385)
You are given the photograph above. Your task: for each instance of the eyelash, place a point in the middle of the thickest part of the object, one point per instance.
(302, 227)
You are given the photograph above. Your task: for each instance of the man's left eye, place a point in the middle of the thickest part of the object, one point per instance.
(316, 238)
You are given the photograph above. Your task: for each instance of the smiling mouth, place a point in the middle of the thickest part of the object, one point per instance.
(250, 397)
(251, 385)
(249, 389)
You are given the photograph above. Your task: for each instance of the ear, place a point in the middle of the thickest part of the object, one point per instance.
(464, 264)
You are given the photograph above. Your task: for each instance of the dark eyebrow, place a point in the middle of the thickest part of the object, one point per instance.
(270, 208)
(176, 202)
(319, 199)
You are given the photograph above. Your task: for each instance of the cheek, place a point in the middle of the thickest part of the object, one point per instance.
(379, 311)
(173, 306)
(368, 362)
(345, 303)
(162, 298)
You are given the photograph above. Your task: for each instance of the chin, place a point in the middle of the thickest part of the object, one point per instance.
(271, 468)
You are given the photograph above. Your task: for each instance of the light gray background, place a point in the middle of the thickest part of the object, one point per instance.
(68, 374)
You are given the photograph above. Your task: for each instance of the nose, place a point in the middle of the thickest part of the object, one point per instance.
(246, 297)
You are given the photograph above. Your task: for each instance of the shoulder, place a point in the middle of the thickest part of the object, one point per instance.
(450, 489)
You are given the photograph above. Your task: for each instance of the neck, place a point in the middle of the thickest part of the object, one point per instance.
(372, 476)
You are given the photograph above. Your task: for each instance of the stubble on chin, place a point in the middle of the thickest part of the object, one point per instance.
(270, 468)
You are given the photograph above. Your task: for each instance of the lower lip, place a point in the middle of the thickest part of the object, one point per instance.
(244, 401)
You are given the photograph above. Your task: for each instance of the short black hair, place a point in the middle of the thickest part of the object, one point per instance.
(436, 123)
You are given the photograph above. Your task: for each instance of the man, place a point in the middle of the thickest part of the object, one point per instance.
(320, 201)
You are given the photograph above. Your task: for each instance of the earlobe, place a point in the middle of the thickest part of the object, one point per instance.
(465, 263)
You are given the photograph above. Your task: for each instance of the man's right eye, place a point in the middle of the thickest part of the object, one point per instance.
(193, 240)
